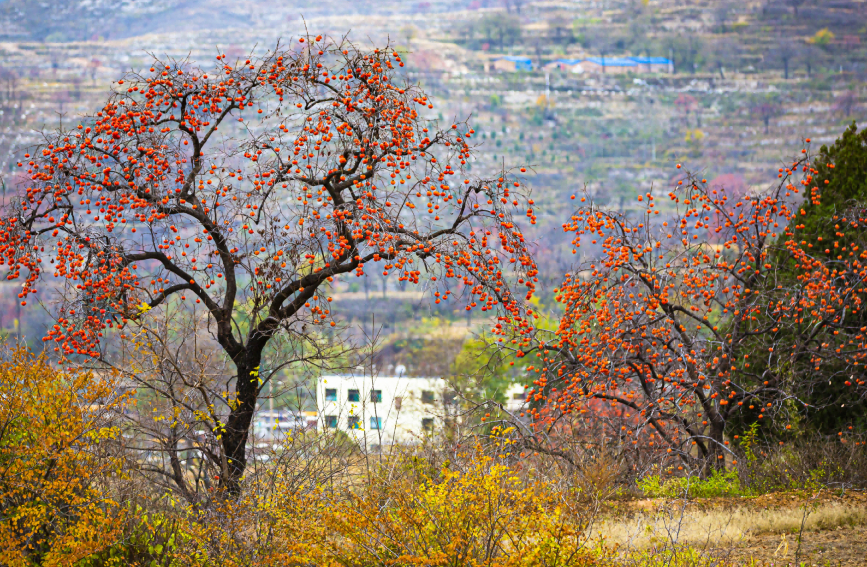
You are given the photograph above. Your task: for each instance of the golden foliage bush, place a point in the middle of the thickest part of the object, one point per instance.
(54, 427)
(482, 514)
(404, 511)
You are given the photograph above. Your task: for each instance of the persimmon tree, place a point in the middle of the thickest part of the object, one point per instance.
(248, 189)
(681, 316)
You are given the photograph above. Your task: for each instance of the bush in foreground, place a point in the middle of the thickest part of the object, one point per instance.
(55, 462)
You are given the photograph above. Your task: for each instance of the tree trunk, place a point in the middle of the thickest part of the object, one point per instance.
(715, 452)
(236, 432)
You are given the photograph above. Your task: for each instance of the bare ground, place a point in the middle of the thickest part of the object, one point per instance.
(844, 547)
(761, 531)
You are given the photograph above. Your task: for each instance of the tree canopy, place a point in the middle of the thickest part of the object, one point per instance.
(688, 322)
(250, 187)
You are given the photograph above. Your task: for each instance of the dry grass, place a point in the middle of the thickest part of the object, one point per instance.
(674, 522)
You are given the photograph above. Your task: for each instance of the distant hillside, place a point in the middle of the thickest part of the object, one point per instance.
(81, 20)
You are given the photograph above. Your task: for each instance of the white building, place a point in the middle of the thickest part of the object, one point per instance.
(272, 425)
(384, 410)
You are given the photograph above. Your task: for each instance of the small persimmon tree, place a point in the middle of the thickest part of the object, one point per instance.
(246, 190)
(681, 317)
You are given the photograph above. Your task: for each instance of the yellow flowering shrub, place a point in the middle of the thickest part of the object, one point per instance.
(401, 511)
(53, 426)
(483, 513)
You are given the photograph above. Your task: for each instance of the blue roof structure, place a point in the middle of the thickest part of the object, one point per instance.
(521, 63)
(612, 61)
(569, 62)
(650, 60)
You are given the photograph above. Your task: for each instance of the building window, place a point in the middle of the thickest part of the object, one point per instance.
(520, 396)
(427, 424)
(354, 422)
(450, 398)
(331, 421)
(398, 402)
(330, 394)
(427, 396)
(376, 396)
(376, 423)
(354, 396)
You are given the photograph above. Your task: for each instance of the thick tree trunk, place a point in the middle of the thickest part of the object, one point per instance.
(237, 428)
(716, 453)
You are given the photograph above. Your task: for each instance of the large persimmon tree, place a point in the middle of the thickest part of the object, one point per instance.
(683, 316)
(254, 185)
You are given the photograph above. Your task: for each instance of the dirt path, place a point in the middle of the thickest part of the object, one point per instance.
(844, 547)
(763, 530)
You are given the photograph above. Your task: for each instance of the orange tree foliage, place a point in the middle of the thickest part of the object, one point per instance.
(253, 184)
(54, 430)
(686, 323)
